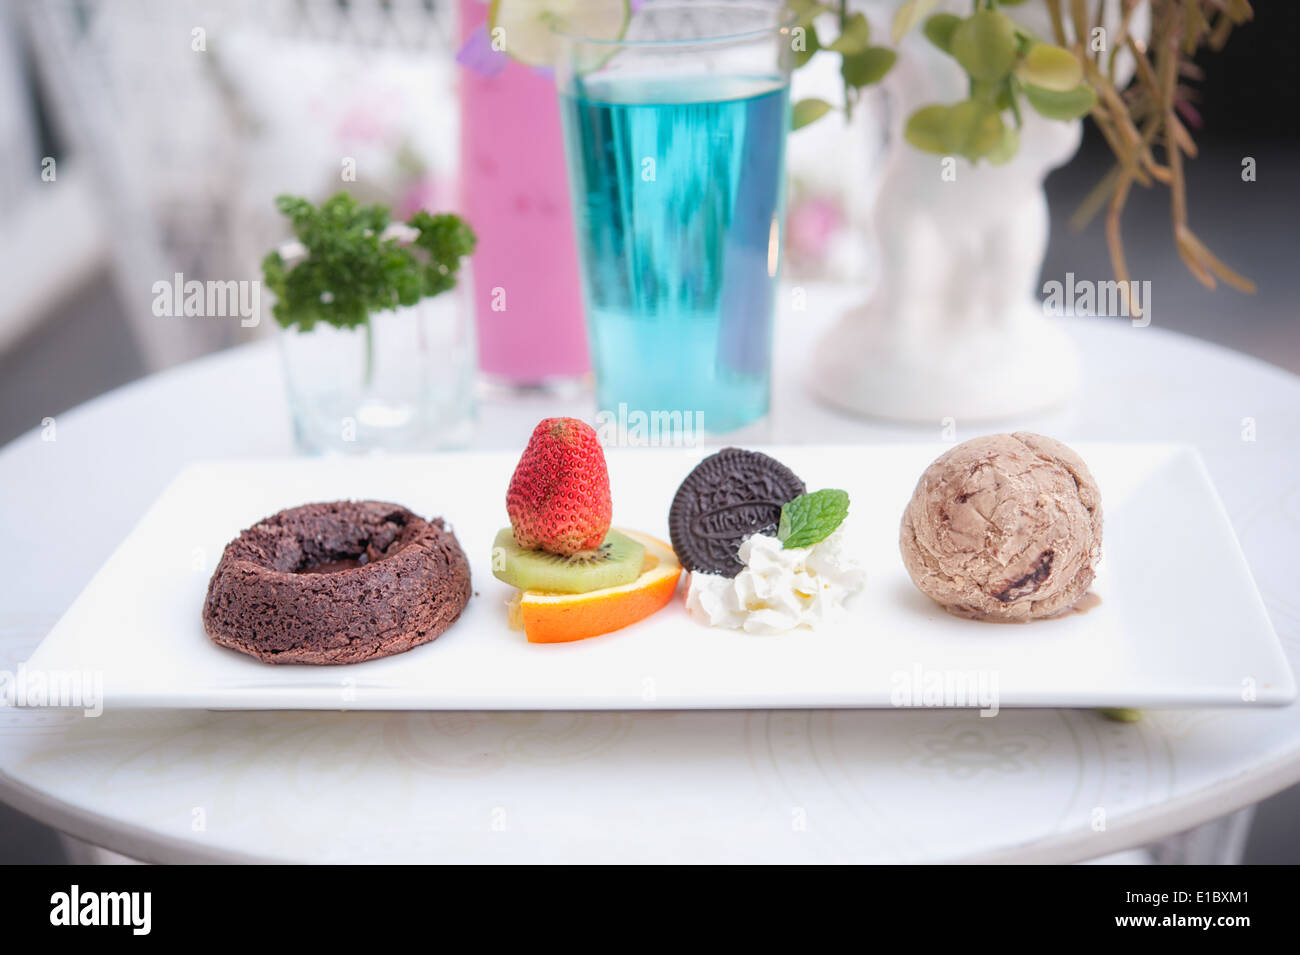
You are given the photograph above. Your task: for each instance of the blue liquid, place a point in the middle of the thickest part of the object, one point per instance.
(679, 192)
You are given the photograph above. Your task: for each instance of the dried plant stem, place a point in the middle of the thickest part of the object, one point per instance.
(1079, 13)
(1058, 25)
(1115, 240)
(1199, 260)
(1134, 123)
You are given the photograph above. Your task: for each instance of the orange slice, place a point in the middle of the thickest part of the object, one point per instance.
(561, 618)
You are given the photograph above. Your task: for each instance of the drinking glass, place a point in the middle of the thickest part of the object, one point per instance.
(403, 381)
(527, 300)
(675, 143)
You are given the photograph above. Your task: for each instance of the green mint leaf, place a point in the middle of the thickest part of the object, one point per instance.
(811, 518)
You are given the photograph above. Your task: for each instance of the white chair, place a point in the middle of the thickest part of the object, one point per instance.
(177, 109)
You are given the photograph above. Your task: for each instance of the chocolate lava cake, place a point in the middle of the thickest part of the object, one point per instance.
(336, 582)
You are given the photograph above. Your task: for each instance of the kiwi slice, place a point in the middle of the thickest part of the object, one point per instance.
(618, 560)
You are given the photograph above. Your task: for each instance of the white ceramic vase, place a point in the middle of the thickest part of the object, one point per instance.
(954, 328)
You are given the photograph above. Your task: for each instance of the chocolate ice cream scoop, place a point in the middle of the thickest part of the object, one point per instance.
(1004, 527)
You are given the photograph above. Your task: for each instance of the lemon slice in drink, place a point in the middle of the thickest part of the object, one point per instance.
(529, 25)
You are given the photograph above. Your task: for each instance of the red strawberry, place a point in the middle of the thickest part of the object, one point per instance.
(559, 495)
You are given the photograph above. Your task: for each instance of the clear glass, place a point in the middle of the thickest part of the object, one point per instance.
(404, 383)
(675, 142)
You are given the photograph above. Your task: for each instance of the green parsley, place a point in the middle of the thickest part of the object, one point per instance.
(350, 270)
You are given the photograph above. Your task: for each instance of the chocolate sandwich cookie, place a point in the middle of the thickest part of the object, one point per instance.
(336, 582)
(728, 497)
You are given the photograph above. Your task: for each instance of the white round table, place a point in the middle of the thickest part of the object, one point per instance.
(770, 786)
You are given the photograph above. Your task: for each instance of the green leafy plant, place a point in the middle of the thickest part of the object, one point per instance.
(1009, 69)
(861, 62)
(1012, 71)
(350, 269)
(1007, 65)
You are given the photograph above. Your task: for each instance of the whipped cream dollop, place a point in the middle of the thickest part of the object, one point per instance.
(779, 589)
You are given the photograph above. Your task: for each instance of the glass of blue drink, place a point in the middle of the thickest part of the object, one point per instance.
(675, 142)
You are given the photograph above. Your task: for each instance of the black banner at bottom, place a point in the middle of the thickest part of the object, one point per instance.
(302, 904)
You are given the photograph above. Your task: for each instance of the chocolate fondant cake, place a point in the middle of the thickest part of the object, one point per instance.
(336, 582)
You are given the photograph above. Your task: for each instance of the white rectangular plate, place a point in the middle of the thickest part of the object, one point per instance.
(1180, 622)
